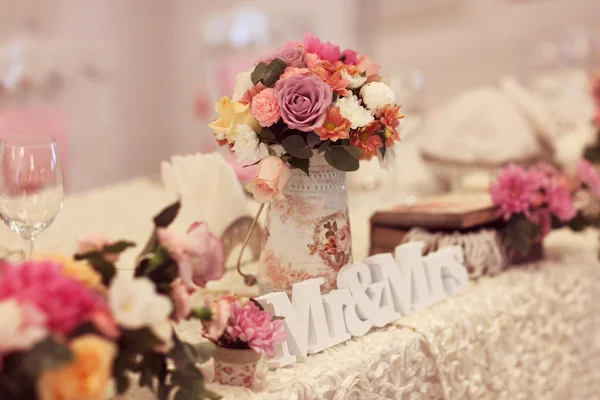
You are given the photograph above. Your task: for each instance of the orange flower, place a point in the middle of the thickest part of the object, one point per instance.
(332, 77)
(367, 140)
(82, 272)
(335, 126)
(390, 117)
(86, 378)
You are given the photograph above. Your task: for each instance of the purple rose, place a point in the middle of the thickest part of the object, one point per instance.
(303, 101)
(292, 56)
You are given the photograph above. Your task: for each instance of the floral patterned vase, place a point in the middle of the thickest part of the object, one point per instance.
(235, 367)
(307, 234)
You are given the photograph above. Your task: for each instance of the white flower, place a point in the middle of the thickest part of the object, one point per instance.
(377, 95)
(246, 145)
(351, 109)
(242, 85)
(21, 327)
(135, 303)
(389, 161)
(356, 80)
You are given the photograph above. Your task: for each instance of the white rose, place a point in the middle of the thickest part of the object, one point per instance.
(242, 85)
(351, 109)
(377, 95)
(246, 145)
(356, 80)
(135, 303)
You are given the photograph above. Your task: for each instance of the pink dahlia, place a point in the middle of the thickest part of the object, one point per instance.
(256, 327)
(589, 176)
(560, 202)
(64, 301)
(514, 191)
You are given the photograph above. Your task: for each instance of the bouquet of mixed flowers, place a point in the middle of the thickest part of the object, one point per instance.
(535, 201)
(592, 152)
(303, 99)
(73, 327)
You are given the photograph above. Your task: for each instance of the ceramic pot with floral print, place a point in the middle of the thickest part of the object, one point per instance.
(235, 367)
(307, 234)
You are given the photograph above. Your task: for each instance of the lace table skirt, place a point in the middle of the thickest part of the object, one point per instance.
(528, 333)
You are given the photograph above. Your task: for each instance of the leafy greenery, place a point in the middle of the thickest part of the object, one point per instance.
(300, 163)
(259, 73)
(297, 146)
(268, 74)
(520, 234)
(344, 158)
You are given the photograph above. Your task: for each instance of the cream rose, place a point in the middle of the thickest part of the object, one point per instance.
(377, 95)
(272, 174)
(232, 114)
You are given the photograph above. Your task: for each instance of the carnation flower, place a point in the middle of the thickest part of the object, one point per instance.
(250, 93)
(335, 126)
(589, 176)
(265, 108)
(377, 95)
(242, 85)
(355, 80)
(560, 202)
(351, 109)
(256, 328)
(367, 140)
(246, 145)
(514, 191)
(65, 302)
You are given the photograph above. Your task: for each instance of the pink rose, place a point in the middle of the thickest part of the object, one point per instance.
(199, 255)
(181, 295)
(303, 101)
(265, 108)
(96, 242)
(292, 56)
(367, 66)
(271, 177)
(342, 238)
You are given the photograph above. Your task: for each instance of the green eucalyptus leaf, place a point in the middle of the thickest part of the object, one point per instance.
(167, 215)
(259, 72)
(106, 269)
(324, 146)
(267, 135)
(122, 383)
(312, 139)
(579, 223)
(354, 151)
(117, 247)
(300, 163)
(342, 159)
(520, 233)
(140, 340)
(285, 157)
(271, 151)
(273, 71)
(45, 355)
(382, 150)
(297, 147)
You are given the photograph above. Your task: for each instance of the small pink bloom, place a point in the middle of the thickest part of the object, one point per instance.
(199, 255)
(221, 312)
(312, 60)
(96, 242)
(181, 295)
(367, 66)
(272, 175)
(560, 202)
(514, 191)
(291, 71)
(342, 238)
(105, 323)
(326, 51)
(65, 302)
(250, 93)
(351, 57)
(265, 108)
(256, 328)
(589, 176)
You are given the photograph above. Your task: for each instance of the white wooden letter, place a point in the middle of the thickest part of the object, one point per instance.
(335, 303)
(410, 262)
(396, 289)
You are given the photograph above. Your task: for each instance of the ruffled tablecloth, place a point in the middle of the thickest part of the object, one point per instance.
(528, 333)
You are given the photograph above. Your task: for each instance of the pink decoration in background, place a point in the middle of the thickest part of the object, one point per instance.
(245, 175)
(228, 71)
(47, 121)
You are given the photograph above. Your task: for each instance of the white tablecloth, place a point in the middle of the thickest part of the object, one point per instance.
(529, 333)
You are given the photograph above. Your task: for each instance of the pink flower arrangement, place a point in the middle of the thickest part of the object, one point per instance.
(305, 89)
(248, 327)
(514, 191)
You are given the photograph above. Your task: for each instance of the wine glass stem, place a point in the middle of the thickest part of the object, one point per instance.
(28, 248)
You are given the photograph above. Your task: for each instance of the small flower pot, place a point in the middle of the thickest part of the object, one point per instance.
(235, 367)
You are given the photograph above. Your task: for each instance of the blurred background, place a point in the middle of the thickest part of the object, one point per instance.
(124, 84)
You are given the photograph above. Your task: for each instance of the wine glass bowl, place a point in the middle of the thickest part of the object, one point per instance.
(31, 185)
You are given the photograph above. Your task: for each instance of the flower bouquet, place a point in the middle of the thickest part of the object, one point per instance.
(241, 331)
(535, 201)
(73, 329)
(592, 152)
(317, 110)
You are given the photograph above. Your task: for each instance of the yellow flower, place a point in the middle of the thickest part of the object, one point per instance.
(82, 272)
(232, 114)
(86, 378)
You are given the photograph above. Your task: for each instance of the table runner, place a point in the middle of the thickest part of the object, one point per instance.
(528, 333)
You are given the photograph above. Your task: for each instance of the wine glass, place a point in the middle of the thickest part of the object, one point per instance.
(31, 185)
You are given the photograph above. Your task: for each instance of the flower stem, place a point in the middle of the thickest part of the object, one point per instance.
(249, 280)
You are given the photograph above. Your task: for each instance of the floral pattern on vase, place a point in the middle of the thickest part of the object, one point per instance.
(235, 367)
(307, 234)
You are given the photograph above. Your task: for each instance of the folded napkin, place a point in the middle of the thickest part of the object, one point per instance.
(209, 190)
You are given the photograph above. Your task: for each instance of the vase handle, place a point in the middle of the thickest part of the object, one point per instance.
(249, 279)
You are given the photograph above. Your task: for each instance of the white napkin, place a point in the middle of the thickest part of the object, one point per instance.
(208, 188)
